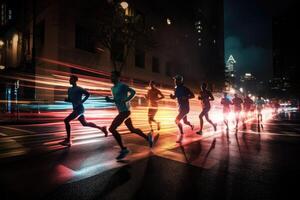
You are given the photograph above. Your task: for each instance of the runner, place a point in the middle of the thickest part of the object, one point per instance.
(153, 95)
(259, 107)
(226, 102)
(237, 105)
(121, 99)
(183, 94)
(75, 97)
(248, 103)
(205, 97)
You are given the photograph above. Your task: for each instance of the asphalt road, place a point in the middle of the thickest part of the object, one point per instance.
(257, 163)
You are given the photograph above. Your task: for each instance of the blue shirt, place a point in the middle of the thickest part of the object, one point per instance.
(259, 104)
(75, 96)
(183, 94)
(120, 94)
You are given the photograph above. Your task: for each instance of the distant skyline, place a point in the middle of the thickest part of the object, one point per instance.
(248, 37)
(248, 34)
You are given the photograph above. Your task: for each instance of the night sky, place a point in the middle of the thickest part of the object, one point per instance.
(248, 34)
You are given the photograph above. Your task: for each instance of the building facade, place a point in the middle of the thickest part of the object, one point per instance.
(64, 34)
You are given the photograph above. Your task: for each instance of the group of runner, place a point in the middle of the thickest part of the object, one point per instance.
(246, 105)
(121, 96)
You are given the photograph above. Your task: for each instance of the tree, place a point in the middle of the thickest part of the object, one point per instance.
(119, 31)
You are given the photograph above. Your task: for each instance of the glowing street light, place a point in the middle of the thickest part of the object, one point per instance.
(169, 21)
(2, 67)
(124, 5)
(1, 43)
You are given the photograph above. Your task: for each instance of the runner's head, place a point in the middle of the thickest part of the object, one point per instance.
(204, 86)
(73, 79)
(115, 77)
(235, 95)
(225, 95)
(152, 84)
(178, 80)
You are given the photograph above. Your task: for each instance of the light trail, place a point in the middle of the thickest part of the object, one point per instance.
(101, 112)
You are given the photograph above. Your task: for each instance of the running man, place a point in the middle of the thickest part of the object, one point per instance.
(237, 105)
(205, 97)
(153, 96)
(226, 102)
(259, 107)
(248, 103)
(121, 99)
(183, 95)
(75, 97)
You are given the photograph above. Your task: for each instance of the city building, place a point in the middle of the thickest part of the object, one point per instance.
(286, 69)
(230, 76)
(51, 35)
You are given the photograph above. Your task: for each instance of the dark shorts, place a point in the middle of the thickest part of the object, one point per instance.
(77, 112)
(237, 110)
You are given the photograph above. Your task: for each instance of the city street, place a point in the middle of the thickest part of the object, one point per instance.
(258, 163)
(158, 100)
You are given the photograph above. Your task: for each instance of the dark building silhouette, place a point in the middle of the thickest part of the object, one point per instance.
(285, 55)
(188, 36)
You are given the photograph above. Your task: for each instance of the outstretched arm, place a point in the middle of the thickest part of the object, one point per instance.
(86, 96)
(108, 99)
(131, 94)
(161, 95)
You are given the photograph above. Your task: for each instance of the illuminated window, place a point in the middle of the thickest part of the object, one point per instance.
(9, 14)
(3, 14)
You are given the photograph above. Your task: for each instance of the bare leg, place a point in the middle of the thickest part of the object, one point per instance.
(67, 120)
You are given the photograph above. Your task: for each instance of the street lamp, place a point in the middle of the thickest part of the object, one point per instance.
(1, 43)
(169, 21)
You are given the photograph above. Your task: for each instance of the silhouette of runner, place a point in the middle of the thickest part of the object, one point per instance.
(121, 99)
(183, 94)
(205, 97)
(259, 107)
(75, 97)
(226, 102)
(237, 105)
(153, 96)
(248, 103)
